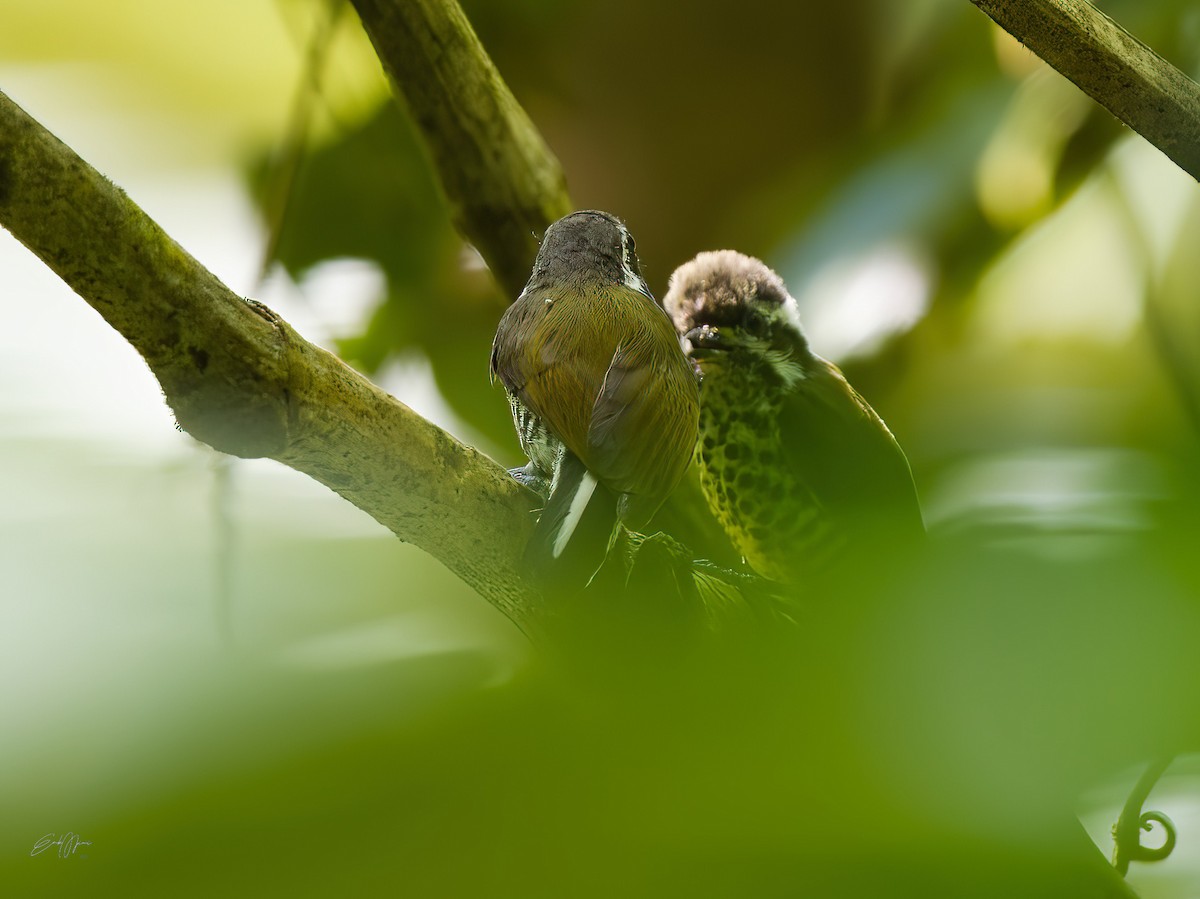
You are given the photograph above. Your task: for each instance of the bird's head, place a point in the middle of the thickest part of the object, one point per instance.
(588, 244)
(726, 303)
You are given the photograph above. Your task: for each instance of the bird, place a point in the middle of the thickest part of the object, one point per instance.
(801, 472)
(605, 404)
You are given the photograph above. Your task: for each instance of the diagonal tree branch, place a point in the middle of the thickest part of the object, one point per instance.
(502, 183)
(1114, 68)
(242, 380)
(500, 179)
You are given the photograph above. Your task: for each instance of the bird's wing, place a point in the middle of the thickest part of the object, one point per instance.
(509, 361)
(845, 452)
(644, 422)
(556, 367)
(606, 376)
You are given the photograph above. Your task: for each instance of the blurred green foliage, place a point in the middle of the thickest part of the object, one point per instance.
(799, 134)
(370, 195)
(938, 727)
(926, 733)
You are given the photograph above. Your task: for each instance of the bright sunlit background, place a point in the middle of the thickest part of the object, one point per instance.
(1006, 274)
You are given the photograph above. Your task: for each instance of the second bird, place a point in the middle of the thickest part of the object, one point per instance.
(798, 468)
(604, 401)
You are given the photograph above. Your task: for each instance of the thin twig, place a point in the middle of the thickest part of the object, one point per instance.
(1127, 832)
(285, 166)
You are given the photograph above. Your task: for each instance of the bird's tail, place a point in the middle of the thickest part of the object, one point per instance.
(572, 535)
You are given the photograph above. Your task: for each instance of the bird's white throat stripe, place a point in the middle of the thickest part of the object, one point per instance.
(578, 503)
(629, 277)
(633, 282)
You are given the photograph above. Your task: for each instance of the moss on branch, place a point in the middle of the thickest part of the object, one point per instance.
(241, 380)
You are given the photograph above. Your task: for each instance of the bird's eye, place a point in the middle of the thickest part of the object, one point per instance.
(758, 325)
(628, 246)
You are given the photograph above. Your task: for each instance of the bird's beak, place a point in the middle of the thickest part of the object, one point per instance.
(706, 337)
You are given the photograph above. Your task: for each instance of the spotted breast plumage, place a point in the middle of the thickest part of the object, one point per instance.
(798, 468)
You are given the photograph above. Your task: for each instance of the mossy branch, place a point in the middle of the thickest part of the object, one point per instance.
(502, 183)
(242, 380)
(1114, 68)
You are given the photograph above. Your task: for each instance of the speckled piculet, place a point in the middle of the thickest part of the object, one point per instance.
(799, 469)
(604, 401)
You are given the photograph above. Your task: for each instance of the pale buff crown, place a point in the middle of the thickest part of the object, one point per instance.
(726, 288)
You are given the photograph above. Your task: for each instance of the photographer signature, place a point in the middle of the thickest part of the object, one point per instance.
(68, 844)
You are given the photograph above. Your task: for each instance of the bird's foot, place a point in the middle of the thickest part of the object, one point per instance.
(532, 478)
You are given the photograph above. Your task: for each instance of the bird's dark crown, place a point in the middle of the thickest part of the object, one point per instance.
(588, 242)
(727, 289)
